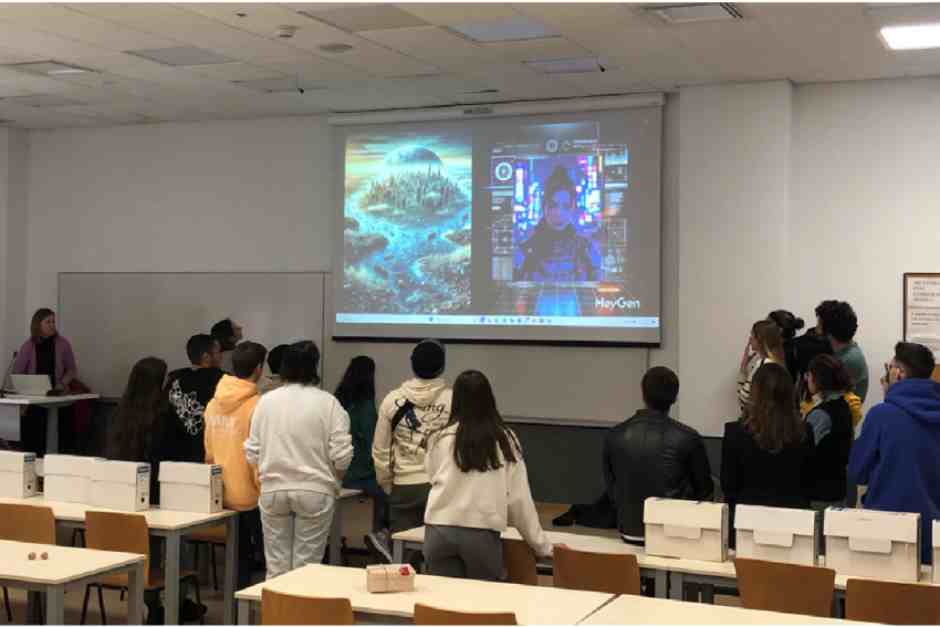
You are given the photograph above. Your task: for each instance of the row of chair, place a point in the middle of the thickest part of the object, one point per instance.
(104, 531)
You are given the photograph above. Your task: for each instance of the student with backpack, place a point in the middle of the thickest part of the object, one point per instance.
(407, 416)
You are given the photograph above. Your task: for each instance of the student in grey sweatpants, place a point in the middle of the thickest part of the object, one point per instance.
(479, 486)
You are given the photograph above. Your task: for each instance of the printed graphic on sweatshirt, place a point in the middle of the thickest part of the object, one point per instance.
(189, 410)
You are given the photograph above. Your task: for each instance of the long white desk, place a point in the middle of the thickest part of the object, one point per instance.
(67, 566)
(10, 407)
(531, 604)
(652, 567)
(637, 610)
(169, 525)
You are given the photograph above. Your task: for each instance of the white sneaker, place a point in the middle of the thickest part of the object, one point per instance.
(378, 542)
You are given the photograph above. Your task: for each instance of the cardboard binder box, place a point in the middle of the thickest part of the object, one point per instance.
(187, 487)
(869, 543)
(121, 485)
(777, 534)
(695, 530)
(68, 478)
(17, 475)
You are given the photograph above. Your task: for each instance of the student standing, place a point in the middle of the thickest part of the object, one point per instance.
(273, 381)
(228, 334)
(827, 380)
(840, 323)
(301, 446)
(356, 393)
(228, 423)
(479, 487)
(765, 345)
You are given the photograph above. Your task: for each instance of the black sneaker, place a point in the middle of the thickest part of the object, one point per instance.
(155, 615)
(378, 542)
(191, 611)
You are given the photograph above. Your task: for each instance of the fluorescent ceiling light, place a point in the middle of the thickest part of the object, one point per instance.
(911, 36)
(514, 29)
(577, 65)
(49, 68)
(683, 13)
(180, 56)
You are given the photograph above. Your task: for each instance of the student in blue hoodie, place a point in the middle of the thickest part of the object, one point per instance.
(897, 450)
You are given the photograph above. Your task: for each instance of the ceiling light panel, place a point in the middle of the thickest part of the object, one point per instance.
(911, 36)
(180, 56)
(511, 29)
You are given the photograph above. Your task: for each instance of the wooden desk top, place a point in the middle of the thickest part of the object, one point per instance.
(635, 610)
(531, 604)
(65, 564)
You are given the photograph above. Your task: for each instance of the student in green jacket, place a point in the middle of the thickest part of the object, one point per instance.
(356, 393)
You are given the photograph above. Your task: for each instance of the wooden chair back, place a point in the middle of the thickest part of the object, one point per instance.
(278, 608)
(781, 587)
(892, 603)
(519, 560)
(27, 523)
(598, 572)
(115, 531)
(427, 615)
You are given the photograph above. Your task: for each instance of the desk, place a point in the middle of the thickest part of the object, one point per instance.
(637, 610)
(10, 415)
(652, 567)
(531, 604)
(336, 527)
(165, 524)
(65, 566)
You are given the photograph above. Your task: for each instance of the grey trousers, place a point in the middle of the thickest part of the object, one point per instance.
(463, 552)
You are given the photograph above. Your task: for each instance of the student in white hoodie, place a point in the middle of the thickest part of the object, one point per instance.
(301, 446)
(479, 486)
(406, 417)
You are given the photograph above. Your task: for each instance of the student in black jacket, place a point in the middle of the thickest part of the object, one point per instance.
(766, 457)
(827, 380)
(650, 454)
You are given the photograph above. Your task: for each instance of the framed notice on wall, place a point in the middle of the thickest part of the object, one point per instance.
(922, 309)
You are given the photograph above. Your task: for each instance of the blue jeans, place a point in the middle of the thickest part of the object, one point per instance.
(379, 500)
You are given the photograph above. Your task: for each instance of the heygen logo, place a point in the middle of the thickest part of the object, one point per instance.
(602, 302)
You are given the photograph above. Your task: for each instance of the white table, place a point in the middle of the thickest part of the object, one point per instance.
(11, 405)
(637, 610)
(531, 604)
(67, 566)
(169, 525)
(336, 527)
(651, 567)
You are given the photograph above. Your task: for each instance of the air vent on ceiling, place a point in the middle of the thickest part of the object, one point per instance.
(685, 13)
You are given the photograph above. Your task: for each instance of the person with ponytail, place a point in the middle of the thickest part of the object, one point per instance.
(789, 325)
(479, 487)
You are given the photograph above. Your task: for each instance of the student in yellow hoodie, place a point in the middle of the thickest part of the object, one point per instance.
(228, 424)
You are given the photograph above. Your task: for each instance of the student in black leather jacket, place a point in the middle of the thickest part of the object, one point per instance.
(650, 454)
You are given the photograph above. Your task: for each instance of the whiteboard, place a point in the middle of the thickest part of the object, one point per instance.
(115, 319)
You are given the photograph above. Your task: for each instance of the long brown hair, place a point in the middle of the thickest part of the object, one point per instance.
(770, 339)
(772, 417)
(134, 422)
(481, 432)
(38, 317)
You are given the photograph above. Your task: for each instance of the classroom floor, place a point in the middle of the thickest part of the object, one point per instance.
(356, 520)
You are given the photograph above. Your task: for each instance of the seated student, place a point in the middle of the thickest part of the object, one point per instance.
(840, 323)
(228, 334)
(301, 446)
(651, 454)
(827, 379)
(897, 450)
(356, 393)
(274, 381)
(188, 391)
(764, 345)
(479, 486)
(765, 459)
(406, 417)
(228, 423)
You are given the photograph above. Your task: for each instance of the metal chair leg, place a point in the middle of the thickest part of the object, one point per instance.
(85, 604)
(215, 568)
(6, 602)
(104, 617)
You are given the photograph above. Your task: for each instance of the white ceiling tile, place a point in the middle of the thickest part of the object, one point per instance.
(233, 71)
(448, 13)
(380, 16)
(429, 42)
(532, 50)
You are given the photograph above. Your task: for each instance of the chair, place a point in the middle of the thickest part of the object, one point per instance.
(427, 615)
(892, 603)
(781, 587)
(211, 538)
(600, 572)
(278, 608)
(128, 533)
(519, 560)
(25, 523)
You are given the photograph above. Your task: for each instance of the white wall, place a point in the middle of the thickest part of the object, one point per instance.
(14, 169)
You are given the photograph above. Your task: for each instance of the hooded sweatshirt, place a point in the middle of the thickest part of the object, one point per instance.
(228, 423)
(401, 462)
(897, 451)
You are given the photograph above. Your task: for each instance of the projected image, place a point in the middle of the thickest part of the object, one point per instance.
(407, 230)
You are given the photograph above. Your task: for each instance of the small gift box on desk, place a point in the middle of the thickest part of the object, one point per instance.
(390, 578)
